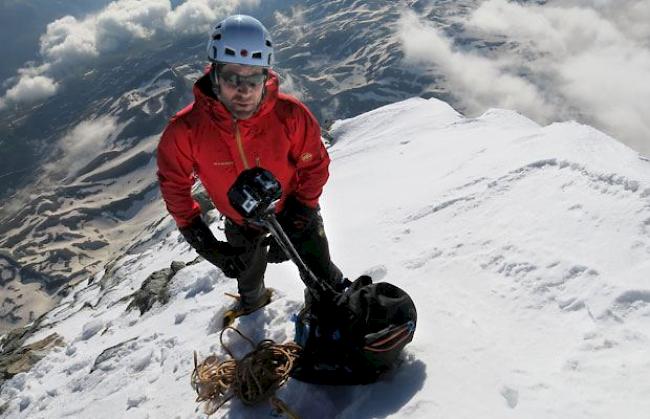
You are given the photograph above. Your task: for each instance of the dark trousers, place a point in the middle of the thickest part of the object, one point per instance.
(310, 243)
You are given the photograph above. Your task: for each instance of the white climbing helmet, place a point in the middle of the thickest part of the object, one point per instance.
(241, 39)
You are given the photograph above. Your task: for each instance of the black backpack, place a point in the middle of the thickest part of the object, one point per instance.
(355, 338)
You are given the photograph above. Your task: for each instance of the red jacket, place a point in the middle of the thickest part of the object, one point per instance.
(205, 141)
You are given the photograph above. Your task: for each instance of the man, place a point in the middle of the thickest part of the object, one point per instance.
(239, 120)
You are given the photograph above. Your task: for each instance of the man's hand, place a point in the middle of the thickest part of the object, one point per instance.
(227, 258)
(297, 216)
(276, 254)
(221, 254)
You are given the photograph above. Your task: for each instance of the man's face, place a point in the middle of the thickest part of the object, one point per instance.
(241, 96)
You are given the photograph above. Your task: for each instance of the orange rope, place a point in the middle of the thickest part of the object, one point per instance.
(254, 378)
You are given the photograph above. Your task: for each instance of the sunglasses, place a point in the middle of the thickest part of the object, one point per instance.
(237, 80)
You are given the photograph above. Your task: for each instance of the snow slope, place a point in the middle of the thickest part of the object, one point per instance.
(524, 247)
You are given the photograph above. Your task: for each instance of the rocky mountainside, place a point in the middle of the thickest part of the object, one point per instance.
(97, 189)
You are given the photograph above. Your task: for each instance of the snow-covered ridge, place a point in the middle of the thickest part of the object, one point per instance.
(525, 249)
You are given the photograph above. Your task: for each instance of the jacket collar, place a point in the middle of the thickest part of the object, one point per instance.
(207, 101)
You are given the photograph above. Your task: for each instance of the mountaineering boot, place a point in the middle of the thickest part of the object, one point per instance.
(242, 308)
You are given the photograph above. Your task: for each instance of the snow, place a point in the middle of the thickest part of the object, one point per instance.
(143, 95)
(525, 249)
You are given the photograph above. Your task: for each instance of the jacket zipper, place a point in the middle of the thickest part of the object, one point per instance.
(240, 145)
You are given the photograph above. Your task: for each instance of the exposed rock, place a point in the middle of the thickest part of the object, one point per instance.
(91, 244)
(14, 339)
(108, 278)
(14, 360)
(10, 316)
(102, 361)
(154, 289)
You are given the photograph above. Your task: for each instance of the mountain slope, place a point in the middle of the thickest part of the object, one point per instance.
(95, 194)
(524, 248)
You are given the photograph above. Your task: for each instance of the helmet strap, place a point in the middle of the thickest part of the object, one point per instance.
(214, 79)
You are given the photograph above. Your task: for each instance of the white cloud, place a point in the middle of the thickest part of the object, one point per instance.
(478, 81)
(631, 17)
(291, 86)
(567, 59)
(69, 42)
(83, 143)
(31, 89)
(126, 20)
(191, 16)
(198, 16)
(295, 21)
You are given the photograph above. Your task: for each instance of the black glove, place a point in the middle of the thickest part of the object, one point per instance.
(221, 254)
(276, 254)
(228, 258)
(296, 216)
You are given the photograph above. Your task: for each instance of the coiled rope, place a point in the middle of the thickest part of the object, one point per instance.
(254, 378)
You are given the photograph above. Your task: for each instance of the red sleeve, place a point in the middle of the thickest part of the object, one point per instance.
(176, 173)
(310, 155)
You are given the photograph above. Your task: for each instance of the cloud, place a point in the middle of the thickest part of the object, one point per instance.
(70, 42)
(568, 59)
(295, 21)
(477, 81)
(631, 17)
(30, 89)
(198, 16)
(191, 15)
(126, 20)
(83, 143)
(292, 86)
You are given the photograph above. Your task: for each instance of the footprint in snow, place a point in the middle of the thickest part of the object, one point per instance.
(142, 362)
(631, 301)
(511, 396)
(135, 401)
(377, 273)
(423, 259)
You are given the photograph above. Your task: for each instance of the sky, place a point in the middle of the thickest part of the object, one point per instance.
(587, 60)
